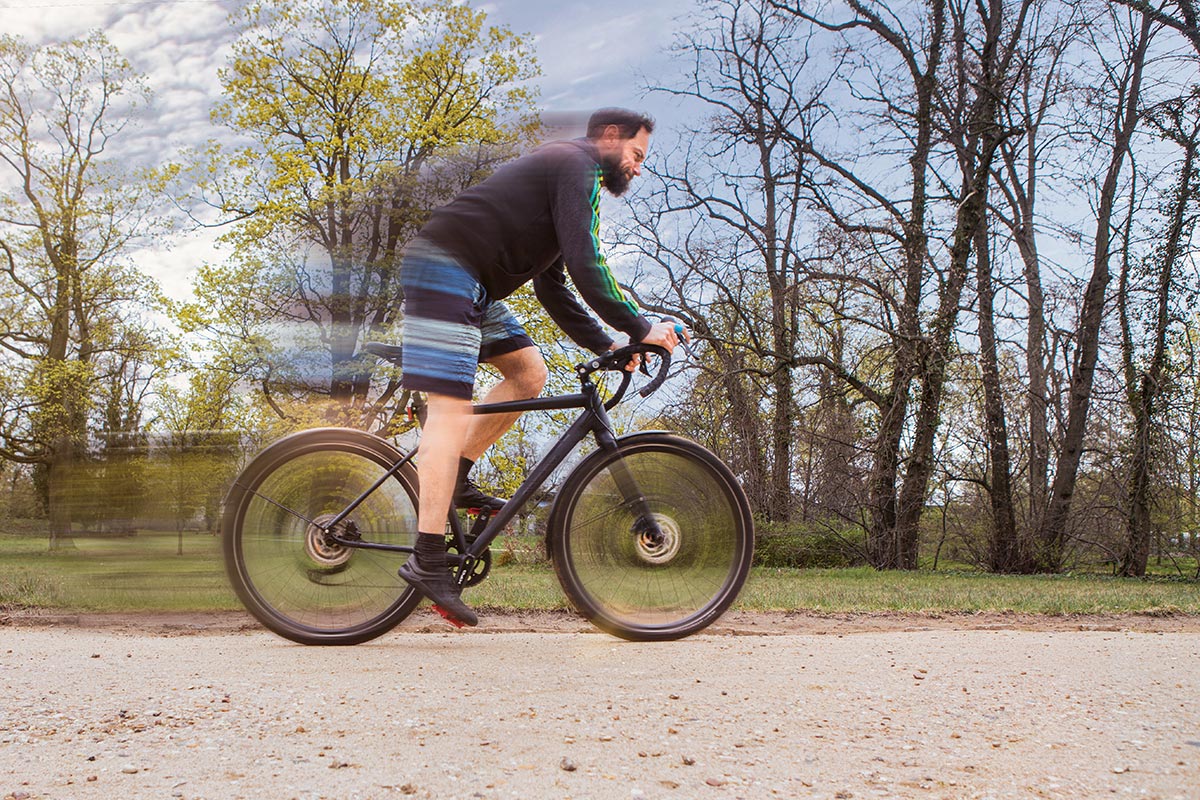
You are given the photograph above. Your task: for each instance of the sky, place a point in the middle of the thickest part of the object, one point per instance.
(592, 54)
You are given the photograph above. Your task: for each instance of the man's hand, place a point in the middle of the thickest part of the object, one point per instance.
(663, 334)
(667, 335)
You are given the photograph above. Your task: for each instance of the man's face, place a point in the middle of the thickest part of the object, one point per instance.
(621, 159)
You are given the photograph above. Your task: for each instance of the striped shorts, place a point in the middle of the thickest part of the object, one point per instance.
(450, 324)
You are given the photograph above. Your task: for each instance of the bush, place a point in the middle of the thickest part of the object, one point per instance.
(23, 589)
(800, 546)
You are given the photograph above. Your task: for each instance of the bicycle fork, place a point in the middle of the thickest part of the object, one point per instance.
(645, 525)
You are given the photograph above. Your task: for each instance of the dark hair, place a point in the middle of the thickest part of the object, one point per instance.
(629, 122)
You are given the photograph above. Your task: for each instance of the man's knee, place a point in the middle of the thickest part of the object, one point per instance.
(442, 408)
(525, 368)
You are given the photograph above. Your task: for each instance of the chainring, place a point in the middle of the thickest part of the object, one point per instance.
(479, 569)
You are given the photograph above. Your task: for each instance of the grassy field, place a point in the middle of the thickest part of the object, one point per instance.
(144, 572)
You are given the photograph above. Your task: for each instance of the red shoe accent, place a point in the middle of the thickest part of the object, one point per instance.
(446, 615)
(479, 512)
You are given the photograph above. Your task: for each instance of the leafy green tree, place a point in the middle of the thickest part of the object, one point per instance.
(360, 116)
(69, 303)
(199, 445)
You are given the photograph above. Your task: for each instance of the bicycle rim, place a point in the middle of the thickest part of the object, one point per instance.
(673, 585)
(289, 574)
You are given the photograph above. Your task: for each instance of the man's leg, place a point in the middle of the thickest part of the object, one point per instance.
(444, 308)
(524, 375)
(442, 438)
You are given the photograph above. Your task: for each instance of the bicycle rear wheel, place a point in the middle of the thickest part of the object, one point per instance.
(639, 587)
(286, 570)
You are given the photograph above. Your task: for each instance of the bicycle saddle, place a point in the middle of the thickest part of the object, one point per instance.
(391, 352)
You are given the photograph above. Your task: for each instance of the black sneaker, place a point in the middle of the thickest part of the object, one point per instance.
(470, 496)
(439, 586)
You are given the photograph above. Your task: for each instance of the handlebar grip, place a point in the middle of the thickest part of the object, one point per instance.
(661, 376)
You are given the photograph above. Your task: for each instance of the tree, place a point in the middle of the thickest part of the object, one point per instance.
(362, 116)
(1181, 15)
(732, 193)
(986, 59)
(1119, 100)
(1147, 326)
(201, 445)
(1026, 170)
(69, 304)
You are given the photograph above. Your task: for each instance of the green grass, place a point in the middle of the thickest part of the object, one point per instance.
(866, 590)
(143, 572)
(133, 573)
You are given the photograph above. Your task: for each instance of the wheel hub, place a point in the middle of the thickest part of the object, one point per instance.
(319, 543)
(659, 549)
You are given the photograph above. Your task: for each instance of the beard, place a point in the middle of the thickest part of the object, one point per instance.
(615, 181)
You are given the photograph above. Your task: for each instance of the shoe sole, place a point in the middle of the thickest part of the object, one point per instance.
(413, 579)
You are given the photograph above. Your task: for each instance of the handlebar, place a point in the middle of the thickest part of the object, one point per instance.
(617, 360)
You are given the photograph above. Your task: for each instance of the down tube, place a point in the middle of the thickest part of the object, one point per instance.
(562, 448)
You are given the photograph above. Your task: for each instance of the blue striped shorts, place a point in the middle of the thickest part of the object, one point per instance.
(450, 324)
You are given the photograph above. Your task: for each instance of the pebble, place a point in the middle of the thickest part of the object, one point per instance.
(567, 765)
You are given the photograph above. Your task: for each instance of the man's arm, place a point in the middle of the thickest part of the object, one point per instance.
(558, 299)
(576, 209)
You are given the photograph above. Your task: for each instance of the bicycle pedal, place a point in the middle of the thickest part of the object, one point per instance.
(446, 615)
(484, 511)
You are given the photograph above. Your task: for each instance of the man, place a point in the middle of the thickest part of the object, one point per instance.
(535, 219)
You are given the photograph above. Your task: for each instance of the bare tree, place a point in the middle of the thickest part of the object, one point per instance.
(732, 195)
(1125, 69)
(1183, 16)
(1144, 347)
(988, 68)
(1026, 160)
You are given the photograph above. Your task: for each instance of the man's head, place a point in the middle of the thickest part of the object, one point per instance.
(622, 138)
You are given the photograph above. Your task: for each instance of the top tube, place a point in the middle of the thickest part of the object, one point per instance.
(612, 361)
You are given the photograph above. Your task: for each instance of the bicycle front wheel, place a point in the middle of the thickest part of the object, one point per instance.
(652, 587)
(282, 563)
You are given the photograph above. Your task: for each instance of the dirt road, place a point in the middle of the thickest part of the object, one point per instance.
(909, 708)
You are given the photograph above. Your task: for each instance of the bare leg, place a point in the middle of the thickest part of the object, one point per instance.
(442, 439)
(524, 374)
(450, 430)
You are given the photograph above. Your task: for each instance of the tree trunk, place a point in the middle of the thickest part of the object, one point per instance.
(1004, 546)
(58, 486)
(883, 544)
(981, 140)
(1052, 537)
(1146, 391)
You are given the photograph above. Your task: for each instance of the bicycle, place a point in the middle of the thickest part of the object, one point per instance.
(650, 536)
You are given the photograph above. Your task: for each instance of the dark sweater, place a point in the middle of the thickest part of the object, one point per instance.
(526, 221)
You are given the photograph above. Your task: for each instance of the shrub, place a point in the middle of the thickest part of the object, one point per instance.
(22, 589)
(808, 546)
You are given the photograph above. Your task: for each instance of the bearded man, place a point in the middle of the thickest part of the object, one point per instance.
(535, 219)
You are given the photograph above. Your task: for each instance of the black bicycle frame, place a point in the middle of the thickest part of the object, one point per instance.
(593, 420)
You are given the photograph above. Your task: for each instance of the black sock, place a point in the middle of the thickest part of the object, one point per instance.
(430, 550)
(464, 469)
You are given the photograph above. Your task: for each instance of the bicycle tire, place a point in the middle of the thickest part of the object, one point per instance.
(287, 574)
(652, 592)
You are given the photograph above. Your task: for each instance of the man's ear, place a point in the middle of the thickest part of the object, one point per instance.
(611, 135)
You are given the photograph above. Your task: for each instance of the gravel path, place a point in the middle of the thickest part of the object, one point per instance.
(100, 711)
